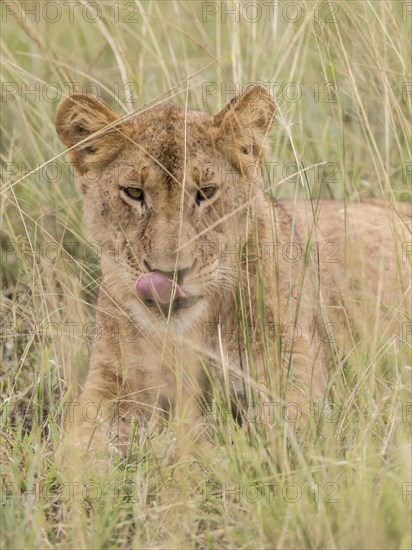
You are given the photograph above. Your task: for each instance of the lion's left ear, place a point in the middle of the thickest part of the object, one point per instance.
(246, 122)
(83, 116)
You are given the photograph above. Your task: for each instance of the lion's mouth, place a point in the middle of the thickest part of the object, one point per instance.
(176, 305)
(160, 292)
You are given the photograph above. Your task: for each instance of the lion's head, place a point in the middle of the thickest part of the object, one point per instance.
(169, 195)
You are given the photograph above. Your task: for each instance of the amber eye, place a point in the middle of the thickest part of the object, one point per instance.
(134, 193)
(205, 194)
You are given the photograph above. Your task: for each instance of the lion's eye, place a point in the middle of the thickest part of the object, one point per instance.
(205, 194)
(134, 193)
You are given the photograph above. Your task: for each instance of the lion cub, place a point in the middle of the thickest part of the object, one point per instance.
(205, 277)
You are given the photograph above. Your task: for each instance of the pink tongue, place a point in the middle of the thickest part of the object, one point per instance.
(158, 287)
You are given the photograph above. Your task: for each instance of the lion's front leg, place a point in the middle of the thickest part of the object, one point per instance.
(91, 425)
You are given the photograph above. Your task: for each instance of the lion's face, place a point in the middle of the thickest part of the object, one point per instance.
(167, 197)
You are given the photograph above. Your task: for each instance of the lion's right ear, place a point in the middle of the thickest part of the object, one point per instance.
(246, 122)
(82, 116)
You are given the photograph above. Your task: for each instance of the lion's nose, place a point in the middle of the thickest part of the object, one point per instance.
(172, 274)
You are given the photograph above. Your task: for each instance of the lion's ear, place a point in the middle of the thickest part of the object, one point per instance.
(246, 122)
(82, 116)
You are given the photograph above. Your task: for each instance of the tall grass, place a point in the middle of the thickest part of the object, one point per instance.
(341, 74)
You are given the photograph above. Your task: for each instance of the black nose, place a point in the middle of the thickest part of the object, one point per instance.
(179, 273)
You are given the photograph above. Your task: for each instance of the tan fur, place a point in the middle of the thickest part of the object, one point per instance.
(143, 364)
